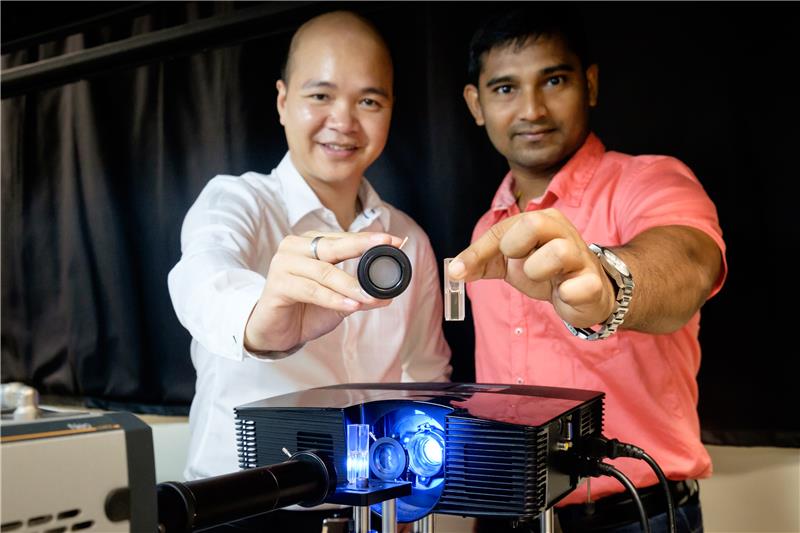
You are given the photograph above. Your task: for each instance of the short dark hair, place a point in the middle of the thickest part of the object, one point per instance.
(515, 27)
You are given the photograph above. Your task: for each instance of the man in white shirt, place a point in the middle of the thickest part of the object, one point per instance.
(268, 312)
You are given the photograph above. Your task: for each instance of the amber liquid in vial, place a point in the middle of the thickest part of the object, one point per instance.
(453, 296)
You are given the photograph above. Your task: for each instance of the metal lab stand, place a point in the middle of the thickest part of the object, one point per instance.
(424, 525)
(389, 516)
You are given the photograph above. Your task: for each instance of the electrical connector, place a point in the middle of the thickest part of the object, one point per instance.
(602, 447)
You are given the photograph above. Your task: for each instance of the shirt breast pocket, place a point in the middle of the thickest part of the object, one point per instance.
(587, 353)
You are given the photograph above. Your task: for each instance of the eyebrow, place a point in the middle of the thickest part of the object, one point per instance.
(558, 68)
(320, 84)
(544, 72)
(500, 79)
(375, 90)
(314, 84)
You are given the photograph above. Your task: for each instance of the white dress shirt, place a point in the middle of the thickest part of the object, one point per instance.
(228, 239)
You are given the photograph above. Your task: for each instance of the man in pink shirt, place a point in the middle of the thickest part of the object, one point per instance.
(547, 309)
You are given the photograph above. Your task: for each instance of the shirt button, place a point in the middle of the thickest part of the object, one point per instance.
(518, 331)
(520, 381)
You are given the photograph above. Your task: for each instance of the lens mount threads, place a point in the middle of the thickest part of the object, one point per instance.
(384, 272)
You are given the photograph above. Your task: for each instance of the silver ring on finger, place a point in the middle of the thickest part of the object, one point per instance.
(314, 243)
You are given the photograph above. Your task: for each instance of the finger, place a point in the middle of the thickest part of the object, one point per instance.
(352, 245)
(380, 238)
(581, 300)
(532, 230)
(482, 258)
(308, 291)
(327, 275)
(555, 259)
(378, 303)
(334, 248)
(582, 290)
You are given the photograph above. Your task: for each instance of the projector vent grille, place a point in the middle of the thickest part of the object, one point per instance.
(591, 420)
(493, 469)
(246, 443)
(293, 429)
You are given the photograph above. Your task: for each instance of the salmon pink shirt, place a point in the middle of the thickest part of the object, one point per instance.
(649, 380)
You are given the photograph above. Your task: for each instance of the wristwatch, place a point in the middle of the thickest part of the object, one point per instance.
(618, 271)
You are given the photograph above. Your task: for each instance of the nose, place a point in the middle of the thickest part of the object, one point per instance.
(342, 117)
(533, 105)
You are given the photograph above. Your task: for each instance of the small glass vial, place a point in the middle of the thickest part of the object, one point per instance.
(358, 455)
(453, 296)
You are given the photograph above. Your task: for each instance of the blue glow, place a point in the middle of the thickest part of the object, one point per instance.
(425, 452)
(357, 467)
(357, 452)
(387, 459)
(432, 450)
(417, 430)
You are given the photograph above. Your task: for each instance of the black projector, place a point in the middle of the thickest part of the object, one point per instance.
(503, 451)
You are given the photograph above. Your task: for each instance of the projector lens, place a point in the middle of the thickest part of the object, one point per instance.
(414, 452)
(426, 453)
(387, 459)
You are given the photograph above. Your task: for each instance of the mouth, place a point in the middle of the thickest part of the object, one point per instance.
(533, 135)
(339, 148)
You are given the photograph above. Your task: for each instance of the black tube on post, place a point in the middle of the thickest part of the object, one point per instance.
(305, 479)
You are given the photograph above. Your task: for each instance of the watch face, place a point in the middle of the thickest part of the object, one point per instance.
(617, 262)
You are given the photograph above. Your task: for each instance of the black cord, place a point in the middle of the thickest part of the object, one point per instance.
(601, 447)
(609, 470)
(663, 480)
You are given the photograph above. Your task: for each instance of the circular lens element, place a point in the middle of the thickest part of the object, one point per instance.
(384, 271)
(426, 453)
(387, 459)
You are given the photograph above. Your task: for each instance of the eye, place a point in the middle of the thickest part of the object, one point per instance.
(556, 80)
(370, 103)
(318, 97)
(503, 89)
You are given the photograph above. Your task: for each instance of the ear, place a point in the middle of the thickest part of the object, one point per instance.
(474, 103)
(592, 80)
(281, 102)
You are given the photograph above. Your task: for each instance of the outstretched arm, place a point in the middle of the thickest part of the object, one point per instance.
(675, 268)
(542, 254)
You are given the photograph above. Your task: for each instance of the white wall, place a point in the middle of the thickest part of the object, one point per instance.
(170, 445)
(753, 490)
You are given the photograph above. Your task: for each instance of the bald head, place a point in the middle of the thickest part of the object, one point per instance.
(336, 29)
(335, 101)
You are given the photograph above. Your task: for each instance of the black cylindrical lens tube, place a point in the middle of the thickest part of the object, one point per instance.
(384, 272)
(305, 479)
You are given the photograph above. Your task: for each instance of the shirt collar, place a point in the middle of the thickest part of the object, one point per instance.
(301, 200)
(569, 183)
(372, 207)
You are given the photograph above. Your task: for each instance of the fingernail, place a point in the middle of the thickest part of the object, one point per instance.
(456, 267)
(350, 303)
(377, 238)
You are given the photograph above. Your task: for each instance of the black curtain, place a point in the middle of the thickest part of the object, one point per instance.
(97, 176)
